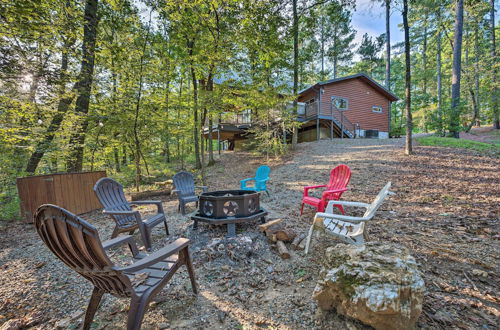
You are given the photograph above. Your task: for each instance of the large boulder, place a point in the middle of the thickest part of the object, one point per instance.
(378, 284)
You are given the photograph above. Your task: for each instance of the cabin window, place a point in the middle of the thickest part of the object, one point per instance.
(377, 109)
(340, 103)
(310, 101)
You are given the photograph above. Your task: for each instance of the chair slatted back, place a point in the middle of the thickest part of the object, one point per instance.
(262, 172)
(110, 194)
(374, 206)
(184, 182)
(76, 242)
(339, 179)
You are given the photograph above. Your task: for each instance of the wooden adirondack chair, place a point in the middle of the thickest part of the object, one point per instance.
(110, 194)
(260, 179)
(348, 229)
(339, 179)
(185, 189)
(76, 242)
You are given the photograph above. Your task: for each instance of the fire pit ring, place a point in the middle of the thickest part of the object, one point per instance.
(229, 207)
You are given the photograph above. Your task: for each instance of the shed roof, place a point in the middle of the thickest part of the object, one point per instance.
(361, 76)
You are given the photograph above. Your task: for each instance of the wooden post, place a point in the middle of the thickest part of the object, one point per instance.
(218, 138)
(331, 126)
(317, 122)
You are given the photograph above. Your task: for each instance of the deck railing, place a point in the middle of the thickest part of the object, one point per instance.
(327, 111)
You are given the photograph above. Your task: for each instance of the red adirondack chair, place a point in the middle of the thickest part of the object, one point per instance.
(339, 178)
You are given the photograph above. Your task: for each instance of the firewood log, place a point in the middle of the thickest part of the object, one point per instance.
(266, 225)
(282, 250)
(297, 240)
(302, 244)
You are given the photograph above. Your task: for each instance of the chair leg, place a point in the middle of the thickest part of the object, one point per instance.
(95, 299)
(302, 209)
(183, 208)
(115, 233)
(136, 313)
(146, 237)
(267, 192)
(166, 226)
(190, 268)
(341, 208)
(309, 237)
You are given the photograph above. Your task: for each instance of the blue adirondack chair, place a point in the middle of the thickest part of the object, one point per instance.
(261, 177)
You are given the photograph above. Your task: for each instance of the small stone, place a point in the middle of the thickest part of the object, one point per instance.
(163, 325)
(270, 269)
(221, 316)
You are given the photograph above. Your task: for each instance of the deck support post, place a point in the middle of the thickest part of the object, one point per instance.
(218, 138)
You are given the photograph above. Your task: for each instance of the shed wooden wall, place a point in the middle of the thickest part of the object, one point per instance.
(72, 191)
(361, 97)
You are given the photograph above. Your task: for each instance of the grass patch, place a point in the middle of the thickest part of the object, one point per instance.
(481, 147)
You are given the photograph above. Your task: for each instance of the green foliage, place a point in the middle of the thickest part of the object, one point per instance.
(435, 141)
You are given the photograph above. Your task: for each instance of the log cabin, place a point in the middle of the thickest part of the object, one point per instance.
(346, 107)
(351, 106)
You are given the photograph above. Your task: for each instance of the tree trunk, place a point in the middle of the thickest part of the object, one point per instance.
(409, 123)
(439, 85)
(323, 47)
(55, 123)
(83, 87)
(295, 133)
(137, 142)
(456, 70)
(477, 107)
(196, 129)
(388, 44)
(494, 105)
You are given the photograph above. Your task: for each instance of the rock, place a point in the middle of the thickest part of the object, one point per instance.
(378, 284)
(63, 323)
(478, 272)
(12, 324)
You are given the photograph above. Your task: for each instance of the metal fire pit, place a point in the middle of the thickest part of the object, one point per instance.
(229, 207)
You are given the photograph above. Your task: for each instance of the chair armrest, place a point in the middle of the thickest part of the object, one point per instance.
(334, 191)
(121, 240)
(246, 180)
(203, 188)
(340, 217)
(136, 214)
(157, 256)
(158, 204)
(307, 188)
(346, 203)
(113, 212)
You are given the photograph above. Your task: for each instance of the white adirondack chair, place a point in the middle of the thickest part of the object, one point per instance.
(348, 229)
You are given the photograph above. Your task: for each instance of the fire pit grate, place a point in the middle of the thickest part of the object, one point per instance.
(229, 207)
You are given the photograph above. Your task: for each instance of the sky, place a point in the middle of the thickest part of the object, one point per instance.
(369, 17)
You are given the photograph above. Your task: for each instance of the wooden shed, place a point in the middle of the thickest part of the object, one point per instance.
(72, 191)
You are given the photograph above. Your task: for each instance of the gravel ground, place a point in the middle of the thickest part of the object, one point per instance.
(445, 210)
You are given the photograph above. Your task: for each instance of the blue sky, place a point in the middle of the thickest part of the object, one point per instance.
(369, 17)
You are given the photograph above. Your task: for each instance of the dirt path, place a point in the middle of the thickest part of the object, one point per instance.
(445, 210)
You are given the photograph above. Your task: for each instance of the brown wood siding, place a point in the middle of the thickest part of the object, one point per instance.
(72, 191)
(308, 95)
(361, 97)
